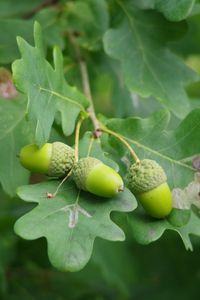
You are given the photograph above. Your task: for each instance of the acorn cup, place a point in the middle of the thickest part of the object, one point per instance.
(148, 182)
(55, 160)
(93, 176)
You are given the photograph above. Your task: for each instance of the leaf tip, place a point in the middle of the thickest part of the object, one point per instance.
(37, 28)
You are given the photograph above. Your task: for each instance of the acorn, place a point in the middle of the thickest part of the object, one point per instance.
(55, 159)
(148, 182)
(92, 175)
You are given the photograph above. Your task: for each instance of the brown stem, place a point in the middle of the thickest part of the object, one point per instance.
(86, 85)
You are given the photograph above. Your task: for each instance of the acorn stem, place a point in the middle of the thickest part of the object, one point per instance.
(86, 85)
(49, 195)
(121, 139)
(77, 134)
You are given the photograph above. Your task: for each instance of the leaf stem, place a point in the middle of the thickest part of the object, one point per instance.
(121, 139)
(86, 85)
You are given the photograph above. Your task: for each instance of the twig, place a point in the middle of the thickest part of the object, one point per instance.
(86, 85)
(119, 137)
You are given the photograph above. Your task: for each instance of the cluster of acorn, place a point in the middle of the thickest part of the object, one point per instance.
(146, 179)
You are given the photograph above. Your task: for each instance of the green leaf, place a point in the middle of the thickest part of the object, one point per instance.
(90, 19)
(71, 221)
(150, 138)
(148, 66)
(175, 10)
(146, 230)
(46, 89)
(52, 25)
(14, 133)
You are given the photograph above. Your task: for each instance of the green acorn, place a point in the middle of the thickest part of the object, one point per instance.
(148, 181)
(54, 159)
(91, 175)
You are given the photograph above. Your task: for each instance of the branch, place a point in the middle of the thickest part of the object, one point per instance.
(86, 85)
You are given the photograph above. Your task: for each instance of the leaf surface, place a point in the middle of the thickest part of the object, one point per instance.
(70, 221)
(148, 66)
(14, 134)
(173, 150)
(46, 89)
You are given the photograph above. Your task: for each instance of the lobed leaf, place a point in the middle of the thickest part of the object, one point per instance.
(70, 222)
(46, 89)
(73, 219)
(174, 150)
(148, 66)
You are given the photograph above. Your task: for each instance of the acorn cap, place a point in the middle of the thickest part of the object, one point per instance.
(82, 169)
(62, 160)
(145, 176)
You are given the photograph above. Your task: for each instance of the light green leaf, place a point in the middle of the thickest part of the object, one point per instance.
(149, 68)
(46, 89)
(71, 221)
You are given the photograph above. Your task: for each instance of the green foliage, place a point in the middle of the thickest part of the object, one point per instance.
(70, 222)
(136, 59)
(53, 28)
(171, 150)
(13, 135)
(149, 68)
(52, 90)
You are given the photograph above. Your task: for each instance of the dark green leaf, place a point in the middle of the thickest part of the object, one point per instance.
(146, 230)
(9, 8)
(53, 28)
(171, 148)
(14, 134)
(89, 18)
(175, 10)
(149, 68)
